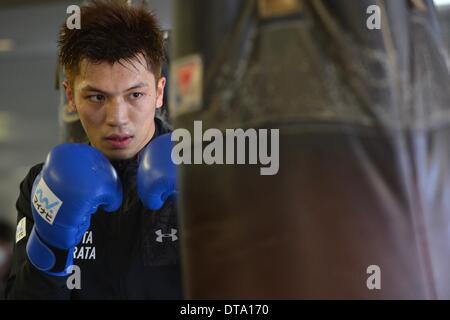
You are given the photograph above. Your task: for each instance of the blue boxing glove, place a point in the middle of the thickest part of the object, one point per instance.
(156, 176)
(75, 181)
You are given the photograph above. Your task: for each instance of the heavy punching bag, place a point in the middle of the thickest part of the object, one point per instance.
(360, 93)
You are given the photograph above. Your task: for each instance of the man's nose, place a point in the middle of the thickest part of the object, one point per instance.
(116, 113)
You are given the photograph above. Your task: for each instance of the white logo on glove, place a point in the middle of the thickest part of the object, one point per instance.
(45, 202)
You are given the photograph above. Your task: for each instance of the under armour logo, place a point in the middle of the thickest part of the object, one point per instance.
(161, 235)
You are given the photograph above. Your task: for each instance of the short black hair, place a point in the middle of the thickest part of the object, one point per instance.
(112, 31)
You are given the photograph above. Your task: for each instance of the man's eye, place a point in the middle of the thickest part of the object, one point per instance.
(97, 98)
(136, 95)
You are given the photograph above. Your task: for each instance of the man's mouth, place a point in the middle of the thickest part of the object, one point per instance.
(117, 141)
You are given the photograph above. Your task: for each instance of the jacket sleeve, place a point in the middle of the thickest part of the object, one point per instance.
(25, 281)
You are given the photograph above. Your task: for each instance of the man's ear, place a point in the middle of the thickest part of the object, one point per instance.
(69, 96)
(160, 92)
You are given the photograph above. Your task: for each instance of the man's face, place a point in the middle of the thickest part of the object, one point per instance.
(116, 105)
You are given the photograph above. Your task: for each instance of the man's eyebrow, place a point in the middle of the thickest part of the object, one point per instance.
(137, 86)
(92, 88)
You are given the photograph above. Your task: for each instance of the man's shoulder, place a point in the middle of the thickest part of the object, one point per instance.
(33, 172)
(36, 169)
(23, 201)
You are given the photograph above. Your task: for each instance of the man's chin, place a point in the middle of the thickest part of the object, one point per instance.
(118, 154)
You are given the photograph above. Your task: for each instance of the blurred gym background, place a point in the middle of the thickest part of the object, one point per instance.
(30, 121)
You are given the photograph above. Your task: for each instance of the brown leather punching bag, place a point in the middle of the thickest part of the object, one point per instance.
(360, 206)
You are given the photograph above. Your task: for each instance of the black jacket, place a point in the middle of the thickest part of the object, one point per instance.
(129, 254)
